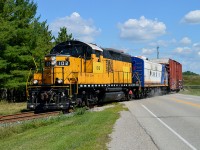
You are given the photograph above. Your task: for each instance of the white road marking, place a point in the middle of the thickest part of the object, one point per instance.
(168, 127)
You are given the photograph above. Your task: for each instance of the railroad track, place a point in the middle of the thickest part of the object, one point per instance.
(25, 116)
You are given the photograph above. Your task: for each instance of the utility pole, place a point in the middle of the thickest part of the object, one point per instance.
(157, 52)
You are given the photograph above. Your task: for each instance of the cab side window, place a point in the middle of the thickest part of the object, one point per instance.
(98, 53)
(87, 52)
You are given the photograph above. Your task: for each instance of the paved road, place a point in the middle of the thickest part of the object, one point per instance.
(169, 122)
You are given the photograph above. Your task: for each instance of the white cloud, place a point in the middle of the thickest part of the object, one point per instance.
(148, 51)
(185, 41)
(173, 41)
(193, 17)
(189, 57)
(142, 29)
(183, 50)
(191, 65)
(163, 43)
(80, 28)
(196, 46)
(159, 43)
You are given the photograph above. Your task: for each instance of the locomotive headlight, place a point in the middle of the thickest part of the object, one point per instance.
(35, 82)
(53, 58)
(60, 81)
(53, 62)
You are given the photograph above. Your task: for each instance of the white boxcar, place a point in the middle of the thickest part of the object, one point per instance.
(152, 73)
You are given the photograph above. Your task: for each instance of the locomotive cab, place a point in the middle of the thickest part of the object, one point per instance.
(69, 58)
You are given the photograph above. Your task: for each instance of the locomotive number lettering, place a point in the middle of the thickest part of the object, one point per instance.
(98, 67)
(63, 63)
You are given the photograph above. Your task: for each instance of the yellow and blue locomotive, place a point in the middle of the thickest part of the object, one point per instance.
(80, 73)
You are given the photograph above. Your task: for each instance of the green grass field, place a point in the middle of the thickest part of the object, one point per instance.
(191, 91)
(88, 131)
(11, 108)
(82, 131)
(191, 80)
(191, 85)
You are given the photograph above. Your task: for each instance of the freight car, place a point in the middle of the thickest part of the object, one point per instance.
(153, 77)
(79, 73)
(174, 69)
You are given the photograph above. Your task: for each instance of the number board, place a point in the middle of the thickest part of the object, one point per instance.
(63, 63)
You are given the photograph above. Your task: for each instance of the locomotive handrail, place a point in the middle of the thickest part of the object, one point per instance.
(76, 83)
(68, 76)
(35, 65)
(137, 77)
(28, 82)
(70, 82)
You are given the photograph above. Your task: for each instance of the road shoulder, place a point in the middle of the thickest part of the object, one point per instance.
(129, 135)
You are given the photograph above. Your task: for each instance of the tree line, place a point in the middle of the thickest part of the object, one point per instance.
(22, 37)
(189, 73)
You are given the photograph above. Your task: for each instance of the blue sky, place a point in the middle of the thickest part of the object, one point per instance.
(135, 26)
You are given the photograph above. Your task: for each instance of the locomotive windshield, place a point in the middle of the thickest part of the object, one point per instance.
(64, 49)
(76, 49)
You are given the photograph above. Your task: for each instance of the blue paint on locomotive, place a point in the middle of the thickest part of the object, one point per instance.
(137, 70)
(163, 74)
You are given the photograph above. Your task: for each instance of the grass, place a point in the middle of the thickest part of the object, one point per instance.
(191, 80)
(191, 85)
(191, 91)
(11, 108)
(82, 131)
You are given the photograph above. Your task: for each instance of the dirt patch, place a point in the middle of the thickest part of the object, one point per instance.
(101, 108)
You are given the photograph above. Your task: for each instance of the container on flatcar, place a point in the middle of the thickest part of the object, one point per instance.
(174, 69)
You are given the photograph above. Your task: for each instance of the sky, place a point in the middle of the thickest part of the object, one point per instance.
(138, 27)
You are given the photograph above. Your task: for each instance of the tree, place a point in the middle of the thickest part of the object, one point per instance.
(63, 36)
(22, 38)
(41, 40)
(189, 73)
